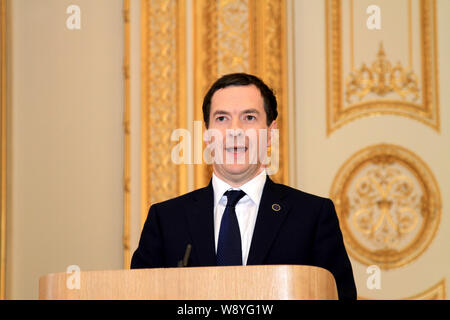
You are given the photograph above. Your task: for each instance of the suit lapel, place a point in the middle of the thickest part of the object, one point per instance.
(271, 214)
(201, 226)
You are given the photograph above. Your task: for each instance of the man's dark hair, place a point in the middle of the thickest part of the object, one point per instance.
(242, 79)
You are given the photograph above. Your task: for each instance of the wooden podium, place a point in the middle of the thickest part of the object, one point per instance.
(269, 282)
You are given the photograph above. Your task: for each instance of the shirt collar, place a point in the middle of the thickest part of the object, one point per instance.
(252, 188)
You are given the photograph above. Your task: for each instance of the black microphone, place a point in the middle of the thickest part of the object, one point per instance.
(187, 253)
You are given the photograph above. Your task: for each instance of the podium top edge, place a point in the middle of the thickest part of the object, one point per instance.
(271, 267)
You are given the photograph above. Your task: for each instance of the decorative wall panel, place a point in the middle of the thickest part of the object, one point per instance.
(392, 70)
(389, 205)
(163, 98)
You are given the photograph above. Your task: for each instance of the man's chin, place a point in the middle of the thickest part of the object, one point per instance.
(237, 171)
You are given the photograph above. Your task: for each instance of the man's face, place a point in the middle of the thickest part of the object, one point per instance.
(237, 110)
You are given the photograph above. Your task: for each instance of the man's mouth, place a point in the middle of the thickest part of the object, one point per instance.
(236, 149)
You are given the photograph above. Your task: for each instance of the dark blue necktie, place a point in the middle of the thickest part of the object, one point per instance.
(229, 247)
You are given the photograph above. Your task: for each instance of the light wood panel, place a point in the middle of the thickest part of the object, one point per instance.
(201, 283)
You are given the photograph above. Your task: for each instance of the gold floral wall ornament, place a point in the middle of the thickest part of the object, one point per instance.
(389, 205)
(381, 78)
(408, 89)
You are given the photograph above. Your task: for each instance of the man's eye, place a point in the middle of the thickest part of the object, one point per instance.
(220, 118)
(250, 117)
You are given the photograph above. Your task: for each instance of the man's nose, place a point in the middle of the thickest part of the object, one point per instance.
(236, 129)
(235, 133)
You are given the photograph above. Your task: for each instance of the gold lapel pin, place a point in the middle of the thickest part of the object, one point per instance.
(276, 207)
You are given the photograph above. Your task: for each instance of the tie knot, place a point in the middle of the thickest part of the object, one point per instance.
(233, 197)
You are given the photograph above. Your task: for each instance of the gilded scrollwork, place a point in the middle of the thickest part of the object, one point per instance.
(233, 36)
(381, 87)
(389, 205)
(163, 98)
(381, 78)
(387, 200)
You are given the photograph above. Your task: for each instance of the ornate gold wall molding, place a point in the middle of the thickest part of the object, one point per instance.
(241, 36)
(127, 142)
(408, 97)
(3, 148)
(163, 105)
(381, 78)
(436, 292)
(163, 81)
(389, 205)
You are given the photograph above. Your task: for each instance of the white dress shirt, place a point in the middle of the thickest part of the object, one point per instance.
(246, 208)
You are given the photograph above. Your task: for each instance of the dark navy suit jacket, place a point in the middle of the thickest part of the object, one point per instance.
(305, 231)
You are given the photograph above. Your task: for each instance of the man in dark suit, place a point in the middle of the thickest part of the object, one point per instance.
(242, 217)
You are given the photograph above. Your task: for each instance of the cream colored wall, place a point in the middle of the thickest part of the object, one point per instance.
(135, 124)
(318, 158)
(65, 166)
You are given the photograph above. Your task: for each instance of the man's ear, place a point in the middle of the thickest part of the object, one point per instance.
(206, 129)
(272, 126)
